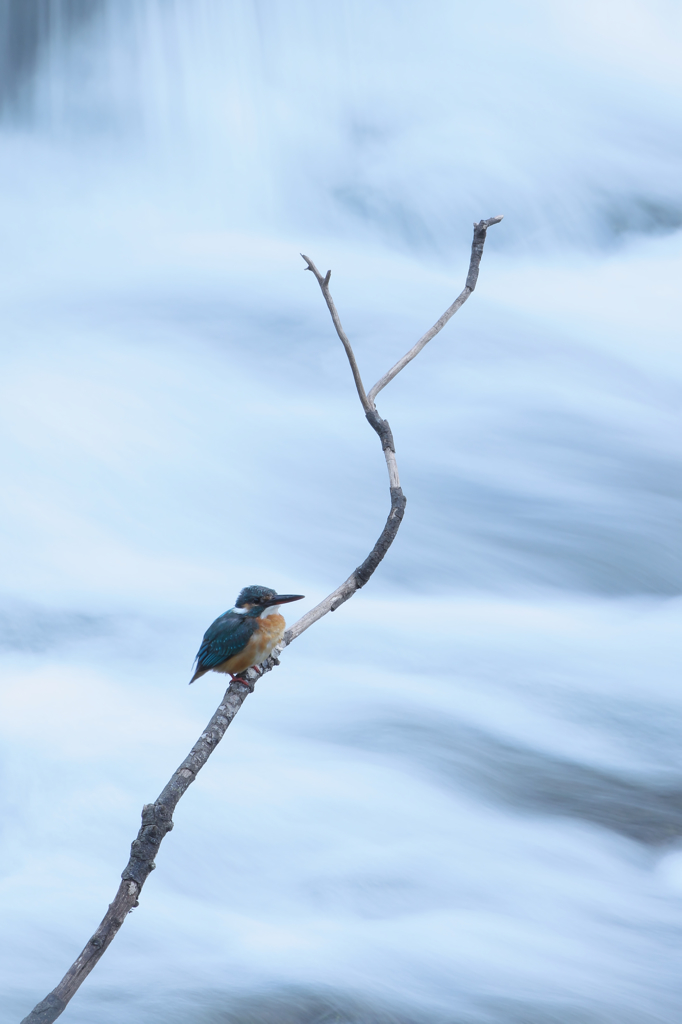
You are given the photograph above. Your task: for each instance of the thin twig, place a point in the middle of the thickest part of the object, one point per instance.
(324, 287)
(157, 818)
(480, 230)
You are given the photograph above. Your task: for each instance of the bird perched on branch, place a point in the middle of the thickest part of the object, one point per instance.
(245, 635)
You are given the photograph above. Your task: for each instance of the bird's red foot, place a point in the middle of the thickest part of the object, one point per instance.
(245, 682)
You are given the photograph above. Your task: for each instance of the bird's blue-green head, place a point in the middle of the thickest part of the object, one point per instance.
(254, 600)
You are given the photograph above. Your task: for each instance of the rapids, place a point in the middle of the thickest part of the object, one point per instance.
(460, 797)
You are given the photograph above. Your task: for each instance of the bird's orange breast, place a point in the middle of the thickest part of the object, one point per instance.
(262, 641)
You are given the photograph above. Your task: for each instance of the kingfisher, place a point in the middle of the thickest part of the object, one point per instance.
(245, 635)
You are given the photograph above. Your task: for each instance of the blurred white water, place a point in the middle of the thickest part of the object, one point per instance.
(460, 797)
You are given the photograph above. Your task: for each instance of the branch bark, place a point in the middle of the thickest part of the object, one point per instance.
(480, 230)
(157, 818)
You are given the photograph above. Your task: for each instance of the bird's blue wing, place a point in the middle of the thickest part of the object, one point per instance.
(226, 636)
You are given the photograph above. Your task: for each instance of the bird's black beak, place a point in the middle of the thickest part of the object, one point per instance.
(283, 599)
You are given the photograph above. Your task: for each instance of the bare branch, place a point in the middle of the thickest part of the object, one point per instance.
(324, 287)
(157, 818)
(157, 821)
(480, 230)
(360, 576)
(381, 426)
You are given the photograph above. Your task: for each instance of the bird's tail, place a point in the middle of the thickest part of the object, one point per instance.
(199, 672)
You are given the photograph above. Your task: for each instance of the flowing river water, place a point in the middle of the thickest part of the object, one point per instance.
(459, 800)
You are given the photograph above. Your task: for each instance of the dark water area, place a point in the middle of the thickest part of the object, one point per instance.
(27, 29)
